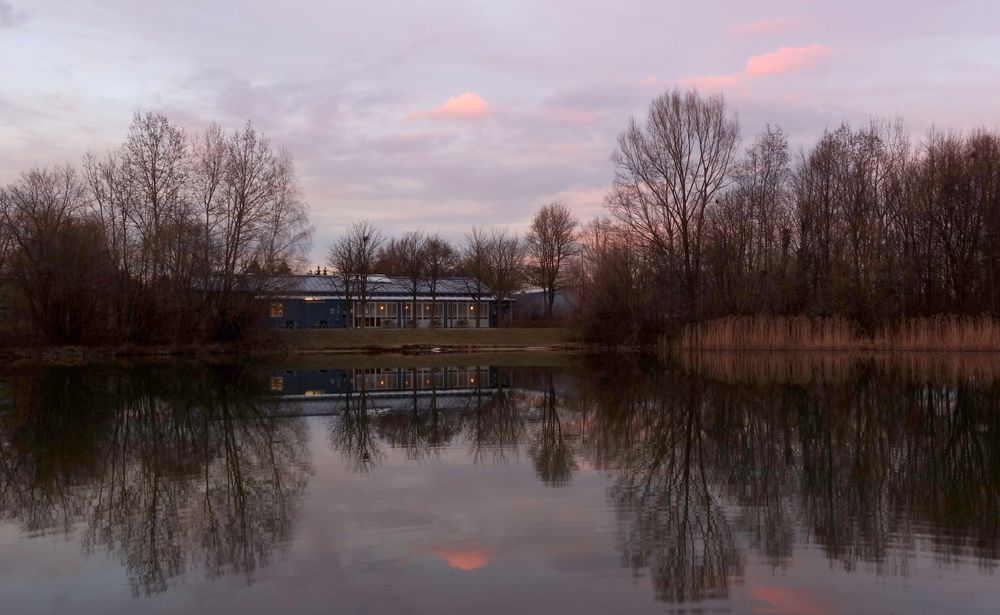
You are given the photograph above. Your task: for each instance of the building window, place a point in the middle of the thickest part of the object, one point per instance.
(376, 313)
(466, 313)
(277, 310)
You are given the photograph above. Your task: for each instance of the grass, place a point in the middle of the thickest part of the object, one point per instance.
(944, 333)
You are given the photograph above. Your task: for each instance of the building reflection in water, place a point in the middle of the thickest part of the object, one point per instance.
(167, 469)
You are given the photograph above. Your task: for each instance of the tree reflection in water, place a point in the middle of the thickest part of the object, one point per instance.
(550, 448)
(870, 467)
(671, 519)
(351, 433)
(164, 468)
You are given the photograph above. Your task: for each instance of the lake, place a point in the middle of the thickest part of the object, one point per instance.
(586, 484)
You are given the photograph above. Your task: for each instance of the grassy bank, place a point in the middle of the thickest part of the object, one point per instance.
(400, 340)
(947, 333)
(311, 341)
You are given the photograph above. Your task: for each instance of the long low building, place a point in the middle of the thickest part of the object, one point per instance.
(320, 301)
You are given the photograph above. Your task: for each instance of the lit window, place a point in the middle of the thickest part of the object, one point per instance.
(277, 383)
(314, 393)
(277, 310)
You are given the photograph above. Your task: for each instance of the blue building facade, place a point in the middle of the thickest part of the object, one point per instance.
(320, 301)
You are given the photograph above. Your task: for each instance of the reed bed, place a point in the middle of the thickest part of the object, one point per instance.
(942, 333)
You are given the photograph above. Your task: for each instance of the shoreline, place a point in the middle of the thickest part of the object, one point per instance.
(313, 343)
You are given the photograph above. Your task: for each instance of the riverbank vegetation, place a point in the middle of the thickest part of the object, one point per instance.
(869, 238)
(123, 249)
(865, 237)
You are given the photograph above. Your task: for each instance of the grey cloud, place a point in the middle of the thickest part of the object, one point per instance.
(9, 16)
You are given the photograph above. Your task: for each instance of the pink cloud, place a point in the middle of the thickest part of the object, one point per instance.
(760, 26)
(786, 60)
(462, 107)
(463, 559)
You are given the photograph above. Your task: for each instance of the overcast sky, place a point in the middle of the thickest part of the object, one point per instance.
(444, 115)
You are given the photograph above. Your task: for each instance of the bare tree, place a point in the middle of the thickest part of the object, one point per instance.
(667, 172)
(551, 241)
(140, 197)
(750, 229)
(6, 241)
(474, 265)
(114, 200)
(354, 256)
(440, 262)
(408, 257)
(505, 267)
(156, 163)
(177, 218)
(261, 221)
(58, 264)
(209, 159)
(285, 234)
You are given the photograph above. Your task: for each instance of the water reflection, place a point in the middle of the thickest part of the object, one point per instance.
(706, 469)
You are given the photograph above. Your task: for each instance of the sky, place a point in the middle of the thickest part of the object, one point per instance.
(444, 115)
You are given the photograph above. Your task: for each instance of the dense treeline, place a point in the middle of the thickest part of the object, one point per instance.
(867, 224)
(152, 241)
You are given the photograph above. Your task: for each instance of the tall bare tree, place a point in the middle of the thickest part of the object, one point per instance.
(407, 256)
(209, 161)
(474, 266)
(285, 234)
(750, 229)
(155, 158)
(551, 242)
(506, 267)
(355, 256)
(667, 172)
(440, 262)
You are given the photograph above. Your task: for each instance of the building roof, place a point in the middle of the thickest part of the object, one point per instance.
(379, 286)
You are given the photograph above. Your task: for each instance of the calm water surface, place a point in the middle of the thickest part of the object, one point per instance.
(608, 485)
